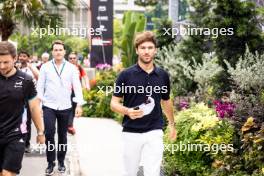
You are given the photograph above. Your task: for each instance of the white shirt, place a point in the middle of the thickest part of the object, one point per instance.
(29, 72)
(55, 85)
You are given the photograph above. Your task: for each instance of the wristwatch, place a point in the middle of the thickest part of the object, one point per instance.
(40, 133)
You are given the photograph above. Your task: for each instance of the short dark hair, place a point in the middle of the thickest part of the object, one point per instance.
(23, 52)
(146, 36)
(75, 53)
(57, 42)
(7, 48)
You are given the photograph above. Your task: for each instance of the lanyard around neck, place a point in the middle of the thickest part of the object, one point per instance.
(59, 74)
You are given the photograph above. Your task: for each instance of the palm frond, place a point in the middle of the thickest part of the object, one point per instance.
(67, 3)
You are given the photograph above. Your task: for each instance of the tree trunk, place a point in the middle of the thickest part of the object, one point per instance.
(7, 27)
(174, 11)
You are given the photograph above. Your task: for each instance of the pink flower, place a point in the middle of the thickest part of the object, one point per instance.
(184, 104)
(103, 66)
(224, 109)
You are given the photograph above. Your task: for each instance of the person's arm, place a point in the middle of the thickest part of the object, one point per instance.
(117, 106)
(41, 83)
(167, 107)
(78, 92)
(117, 97)
(86, 83)
(84, 79)
(34, 70)
(35, 110)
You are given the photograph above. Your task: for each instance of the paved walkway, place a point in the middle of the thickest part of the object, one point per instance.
(95, 150)
(99, 147)
(35, 163)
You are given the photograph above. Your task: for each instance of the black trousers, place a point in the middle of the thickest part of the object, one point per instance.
(50, 117)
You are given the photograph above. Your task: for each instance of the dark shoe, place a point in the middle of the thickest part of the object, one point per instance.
(50, 169)
(61, 168)
(71, 130)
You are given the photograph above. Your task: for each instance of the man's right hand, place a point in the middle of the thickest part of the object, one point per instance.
(41, 139)
(134, 114)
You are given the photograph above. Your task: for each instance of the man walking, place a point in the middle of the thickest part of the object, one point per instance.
(143, 122)
(30, 69)
(56, 80)
(17, 89)
(73, 58)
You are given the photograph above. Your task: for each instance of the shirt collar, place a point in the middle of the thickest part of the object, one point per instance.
(137, 68)
(3, 77)
(63, 60)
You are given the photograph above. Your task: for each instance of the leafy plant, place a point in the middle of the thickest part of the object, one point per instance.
(33, 46)
(226, 149)
(117, 36)
(222, 133)
(146, 2)
(191, 125)
(168, 58)
(239, 17)
(132, 23)
(253, 145)
(205, 74)
(242, 18)
(162, 39)
(248, 86)
(248, 72)
(99, 97)
(30, 12)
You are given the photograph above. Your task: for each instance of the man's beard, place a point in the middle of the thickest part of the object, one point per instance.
(23, 62)
(7, 72)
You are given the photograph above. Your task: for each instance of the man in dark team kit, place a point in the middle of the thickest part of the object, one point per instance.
(17, 89)
(143, 122)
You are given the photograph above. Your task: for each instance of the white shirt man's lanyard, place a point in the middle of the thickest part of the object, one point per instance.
(58, 73)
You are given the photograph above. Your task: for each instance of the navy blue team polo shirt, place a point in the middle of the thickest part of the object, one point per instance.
(15, 91)
(135, 85)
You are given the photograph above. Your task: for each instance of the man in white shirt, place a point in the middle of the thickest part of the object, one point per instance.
(56, 80)
(30, 69)
(26, 66)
